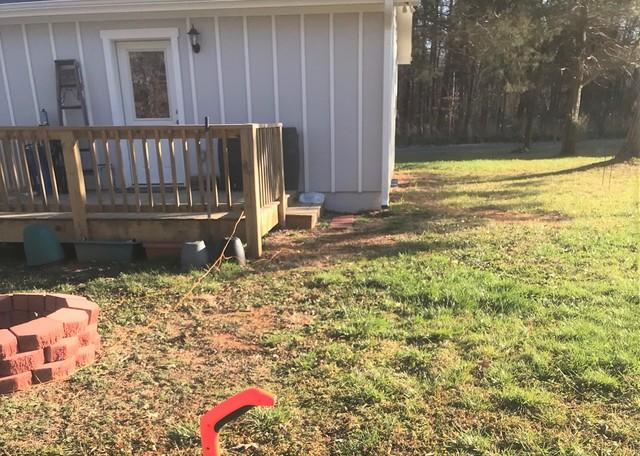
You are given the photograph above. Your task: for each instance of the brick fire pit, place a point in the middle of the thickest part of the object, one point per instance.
(44, 337)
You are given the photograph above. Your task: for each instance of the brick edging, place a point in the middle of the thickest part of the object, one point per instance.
(45, 337)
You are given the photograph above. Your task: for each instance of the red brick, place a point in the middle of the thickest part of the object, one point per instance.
(21, 302)
(63, 349)
(5, 320)
(73, 321)
(50, 303)
(22, 362)
(342, 222)
(55, 301)
(36, 303)
(54, 371)
(8, 344)
(89, 335)
(86, 355)
(91, 308)
(38, 333)
(15, 383)
(5, 303)
(20, 316)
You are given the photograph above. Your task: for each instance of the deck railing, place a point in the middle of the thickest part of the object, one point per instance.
(144, 169)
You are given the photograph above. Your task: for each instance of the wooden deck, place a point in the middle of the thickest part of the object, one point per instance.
(35, 188)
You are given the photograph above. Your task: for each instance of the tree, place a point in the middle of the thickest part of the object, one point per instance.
(631, 147)
(602, 36)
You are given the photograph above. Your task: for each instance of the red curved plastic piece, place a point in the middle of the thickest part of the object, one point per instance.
(214, 419)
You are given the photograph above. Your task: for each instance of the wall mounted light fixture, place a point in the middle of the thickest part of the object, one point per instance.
(194, 37)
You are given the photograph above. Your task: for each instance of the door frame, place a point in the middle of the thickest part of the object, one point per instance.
(109, 40)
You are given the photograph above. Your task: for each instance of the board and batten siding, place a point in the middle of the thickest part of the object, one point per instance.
(319, 73)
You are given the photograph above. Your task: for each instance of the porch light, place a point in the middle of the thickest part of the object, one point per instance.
(194, 36)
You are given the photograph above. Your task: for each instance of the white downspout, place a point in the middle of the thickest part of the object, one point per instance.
(388, 100)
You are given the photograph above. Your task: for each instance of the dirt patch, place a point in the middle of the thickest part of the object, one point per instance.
(229, 342)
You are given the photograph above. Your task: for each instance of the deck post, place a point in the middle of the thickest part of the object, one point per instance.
(282, 192)
(75, 183)
(251, 186)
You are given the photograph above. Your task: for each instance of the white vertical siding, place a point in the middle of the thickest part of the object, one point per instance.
(261, 77)
(372, 101)
(325, 82)
(346, 101)
(233, 69)
(318, 101)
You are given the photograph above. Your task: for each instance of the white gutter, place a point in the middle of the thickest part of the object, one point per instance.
(92, 7)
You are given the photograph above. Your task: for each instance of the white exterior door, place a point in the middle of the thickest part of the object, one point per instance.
(149, 98)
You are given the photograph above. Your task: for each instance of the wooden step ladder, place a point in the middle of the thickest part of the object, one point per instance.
(71, 97)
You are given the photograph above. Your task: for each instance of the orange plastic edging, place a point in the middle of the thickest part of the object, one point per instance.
(229, 409)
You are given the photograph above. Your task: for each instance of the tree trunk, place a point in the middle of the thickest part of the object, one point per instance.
(631, 146)
(572, 121)
(530, 113)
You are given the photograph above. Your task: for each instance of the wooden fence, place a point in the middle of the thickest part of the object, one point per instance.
(169, 169)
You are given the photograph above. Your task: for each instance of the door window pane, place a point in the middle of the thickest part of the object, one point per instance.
(149, 77)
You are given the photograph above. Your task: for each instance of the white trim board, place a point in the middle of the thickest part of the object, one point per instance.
(109, 39)
(5, 80)
(34, 93)
(192, 77)
(387, 100)
(216, 29)
(93, 8)
(303, 77)
(83, 70)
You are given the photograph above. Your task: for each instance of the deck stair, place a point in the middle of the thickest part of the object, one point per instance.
(302, 216)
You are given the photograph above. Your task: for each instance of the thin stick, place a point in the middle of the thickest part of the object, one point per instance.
(215, 265)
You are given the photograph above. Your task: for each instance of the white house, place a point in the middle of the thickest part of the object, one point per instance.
(326, 67)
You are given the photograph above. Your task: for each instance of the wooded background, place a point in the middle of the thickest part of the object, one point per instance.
(520, 70)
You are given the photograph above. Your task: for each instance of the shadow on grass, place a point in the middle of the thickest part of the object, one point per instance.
(503, 151)
(560, 172)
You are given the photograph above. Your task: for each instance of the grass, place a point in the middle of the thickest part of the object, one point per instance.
(494, 309)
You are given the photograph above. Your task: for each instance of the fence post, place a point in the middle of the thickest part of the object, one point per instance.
(282, 192)
(250, 183)
(75, 184)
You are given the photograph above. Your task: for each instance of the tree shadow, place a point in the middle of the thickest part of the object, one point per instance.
(560, 172)
(503, 151)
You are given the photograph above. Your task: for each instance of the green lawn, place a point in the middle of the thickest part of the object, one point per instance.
(494, 309)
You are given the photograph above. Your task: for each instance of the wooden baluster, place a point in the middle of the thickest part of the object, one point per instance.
(208, 177)
(96, 172)
(174, 172)
(160, 169)
(263, 177)
(269, 155)
(52, 170)
(225, 164)
(16, 178)
(22, 157)
(282, 192)
(3, 177)
(212, 168)
(40, 178)
(123, 182)
(107, 162)
(200, 173)
(134, 168)
(187, 168)
(147, 170)
(251, 184)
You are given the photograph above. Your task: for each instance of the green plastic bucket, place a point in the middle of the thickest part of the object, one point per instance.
(41, 245)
